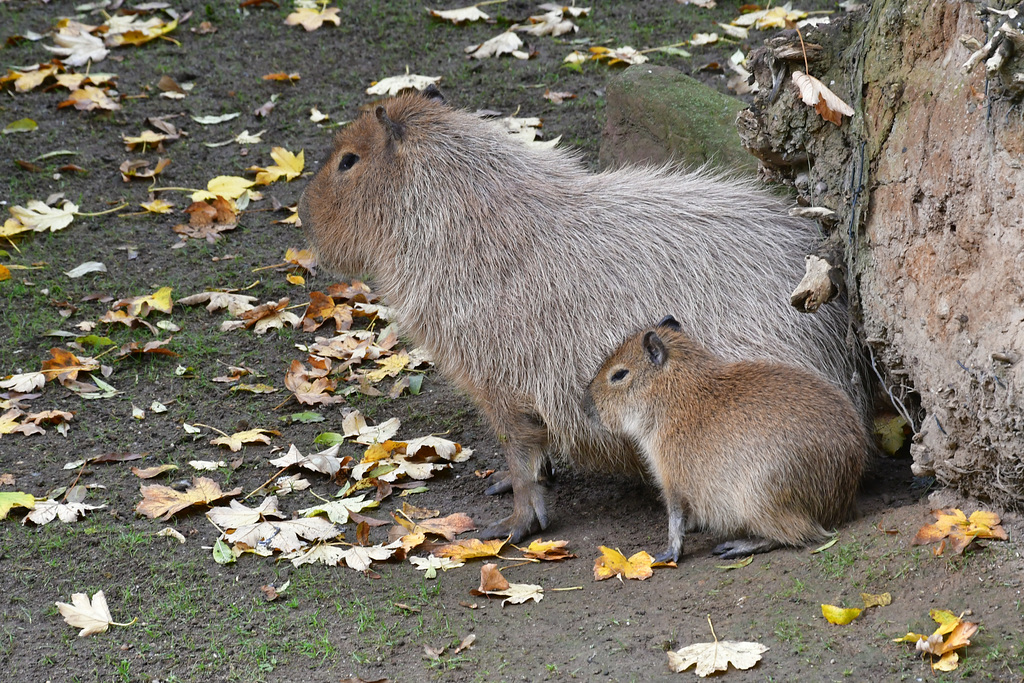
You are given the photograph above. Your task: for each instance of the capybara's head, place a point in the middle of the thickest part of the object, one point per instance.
(351, 208)
(620, 391)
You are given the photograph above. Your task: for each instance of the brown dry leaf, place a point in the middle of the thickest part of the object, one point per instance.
(322, 308)
(282, 76)
(92, 616)
(138, 169)
(470, 548)
(815, 94)
(163, 501)
(493, 584)
(90, 98)
(312, 19)
(155, 471)
(960, 530)
(447, 527)
(64, 366)
(266, 316)
(155, 346)
(614, 563)
(553, 551)
(311, 387)
(236, 440)
(112, 317)
(412, 511)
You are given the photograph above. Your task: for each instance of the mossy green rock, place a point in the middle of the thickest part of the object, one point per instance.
(657, 114)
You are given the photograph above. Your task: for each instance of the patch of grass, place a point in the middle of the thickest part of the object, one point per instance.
(838, 560)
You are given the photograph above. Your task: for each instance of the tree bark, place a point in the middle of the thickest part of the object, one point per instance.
(927, 182)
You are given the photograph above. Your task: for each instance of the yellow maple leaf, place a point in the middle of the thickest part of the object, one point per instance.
(140, 306)
(226, 186)
(547, 550)
(236, 440)
(5, 273)
(146, 138)
(289, 166)
(961, 531)
(312, 19)
(389, 367)
(11, 499)
(614, 563)
(379, 451)
(157, 206)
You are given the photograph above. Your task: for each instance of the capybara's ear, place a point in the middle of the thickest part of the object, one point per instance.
(393, 130)
(655, 349)
(671, 323)
(432, 92)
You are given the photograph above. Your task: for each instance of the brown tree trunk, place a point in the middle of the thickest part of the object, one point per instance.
(927, 182)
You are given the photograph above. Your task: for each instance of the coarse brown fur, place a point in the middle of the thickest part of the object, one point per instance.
(520, 271)
(747, 448)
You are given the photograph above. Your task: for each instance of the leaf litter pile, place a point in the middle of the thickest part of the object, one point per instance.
(183, 385)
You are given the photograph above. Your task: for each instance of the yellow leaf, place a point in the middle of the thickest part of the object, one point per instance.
(614, 563)
(840, 615)
(311, 19)
(948, 662)
(469, 548)
(876, 600)
(226, 186)
(5, 273)
(147, 139)
(295, 279)
(12, 499)
(157, 206)
(13, 227)
(947, 620)
(291, 164)
(379, 451)
(389, 367)
(140, 306)
(235, 441)
(890, 431)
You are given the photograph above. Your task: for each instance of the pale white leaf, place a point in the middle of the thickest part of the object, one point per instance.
(86, 268)
(395, 84)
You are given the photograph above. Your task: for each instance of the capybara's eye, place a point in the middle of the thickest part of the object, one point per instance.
(619, 375)
(348, 161)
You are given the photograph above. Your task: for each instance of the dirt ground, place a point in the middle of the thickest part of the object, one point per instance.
(198, 620)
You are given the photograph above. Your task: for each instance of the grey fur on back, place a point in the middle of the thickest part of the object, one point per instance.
(563, 264)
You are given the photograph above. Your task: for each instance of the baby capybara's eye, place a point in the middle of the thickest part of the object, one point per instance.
(348, 161)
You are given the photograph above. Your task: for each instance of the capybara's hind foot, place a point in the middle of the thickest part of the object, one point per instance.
(529, 516)
(741, 547)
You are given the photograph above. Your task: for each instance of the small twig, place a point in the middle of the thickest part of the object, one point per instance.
(102, 213)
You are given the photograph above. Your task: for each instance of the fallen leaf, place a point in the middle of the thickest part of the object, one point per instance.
(392, 85)
(469, 548)
(960, 530)
(13, 499)
(163, 501)
(839, 615)
(92, 616)
(338, 511)
(78, 48)
(620, 55)
(45, 511)
(876, 600)
(429, 565)
(614, 563)
(547, 550)
(312, 19)
(457, 16)
(716, 656)
(40, 217)
(238, 439)
(505, 43)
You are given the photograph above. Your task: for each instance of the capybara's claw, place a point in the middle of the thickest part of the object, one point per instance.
(508, 527)
(667, 556)
(502, 484)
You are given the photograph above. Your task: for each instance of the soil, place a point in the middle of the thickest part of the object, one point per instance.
(198, 620)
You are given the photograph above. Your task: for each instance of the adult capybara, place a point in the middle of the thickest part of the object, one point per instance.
(762, 453)
(519, 271)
